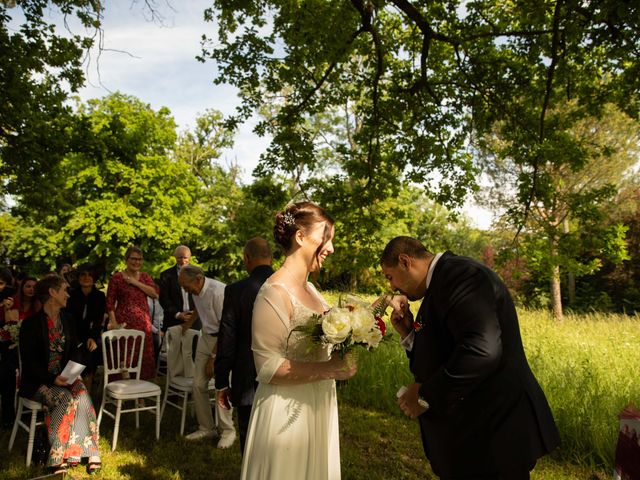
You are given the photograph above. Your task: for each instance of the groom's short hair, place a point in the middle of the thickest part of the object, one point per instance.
(407, 245)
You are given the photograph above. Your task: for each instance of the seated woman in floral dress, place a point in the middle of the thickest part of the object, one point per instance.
(47, 342)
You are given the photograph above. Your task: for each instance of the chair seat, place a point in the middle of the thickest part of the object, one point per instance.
(120, 388)
(186, 383)
(182, 383)
(31, 404)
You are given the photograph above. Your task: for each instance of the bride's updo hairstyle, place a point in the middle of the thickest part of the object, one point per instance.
(300, 216)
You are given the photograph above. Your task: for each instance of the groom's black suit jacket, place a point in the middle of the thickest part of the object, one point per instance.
(234, 341)
(487, 411)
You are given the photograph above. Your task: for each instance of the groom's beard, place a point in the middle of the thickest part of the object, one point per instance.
(412, 297)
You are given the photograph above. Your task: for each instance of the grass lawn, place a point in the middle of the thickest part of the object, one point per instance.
(374, 445)
(587, 365)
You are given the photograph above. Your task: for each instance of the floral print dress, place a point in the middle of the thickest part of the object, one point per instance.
(70, 417)
(131, 307)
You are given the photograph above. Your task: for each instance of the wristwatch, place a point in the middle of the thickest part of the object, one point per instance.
(423, 403)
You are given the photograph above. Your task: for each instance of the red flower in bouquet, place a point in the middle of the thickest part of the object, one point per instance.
(381, 325)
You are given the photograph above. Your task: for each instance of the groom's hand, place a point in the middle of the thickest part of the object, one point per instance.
(408, 401)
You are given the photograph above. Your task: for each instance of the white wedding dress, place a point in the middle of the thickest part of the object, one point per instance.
(293, 430)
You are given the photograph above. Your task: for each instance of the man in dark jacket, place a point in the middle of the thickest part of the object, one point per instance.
(482, 413)
(234, 342)
(176, 303)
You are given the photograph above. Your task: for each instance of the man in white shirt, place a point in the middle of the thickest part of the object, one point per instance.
(208, 298)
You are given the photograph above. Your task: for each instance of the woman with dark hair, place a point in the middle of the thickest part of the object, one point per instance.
(127, 305)
(88, 308)
(26, 302)
(293, 430)
(47, 342)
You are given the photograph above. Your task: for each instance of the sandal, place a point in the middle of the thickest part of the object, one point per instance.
(62, 468)
(93, 468)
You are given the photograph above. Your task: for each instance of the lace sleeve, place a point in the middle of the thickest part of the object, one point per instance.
(270, 329)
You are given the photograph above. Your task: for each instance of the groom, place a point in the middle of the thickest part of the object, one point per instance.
(481, 411)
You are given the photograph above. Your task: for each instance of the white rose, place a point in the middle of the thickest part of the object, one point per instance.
(336, 325)
(362, 321)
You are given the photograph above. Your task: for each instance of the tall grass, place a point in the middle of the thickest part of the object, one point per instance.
(588, 366)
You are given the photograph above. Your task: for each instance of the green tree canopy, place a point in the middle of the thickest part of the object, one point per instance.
(424, 80)
(40, 68)
(587, 160)
(119, 184)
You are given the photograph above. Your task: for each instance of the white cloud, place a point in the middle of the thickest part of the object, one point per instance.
(157, 63)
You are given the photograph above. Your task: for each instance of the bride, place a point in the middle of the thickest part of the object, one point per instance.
(293, 430)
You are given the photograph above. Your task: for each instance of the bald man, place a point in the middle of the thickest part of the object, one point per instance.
(175, 301)
(234, 360)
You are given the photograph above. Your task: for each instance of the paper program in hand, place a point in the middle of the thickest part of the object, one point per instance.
(72, 371)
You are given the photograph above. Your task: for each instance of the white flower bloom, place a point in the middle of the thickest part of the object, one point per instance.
(373, 338)
(362, 321)
(336, 325)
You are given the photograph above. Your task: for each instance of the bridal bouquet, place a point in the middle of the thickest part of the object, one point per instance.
(353, 322)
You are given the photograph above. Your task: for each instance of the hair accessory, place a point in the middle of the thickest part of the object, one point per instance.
(288, 219)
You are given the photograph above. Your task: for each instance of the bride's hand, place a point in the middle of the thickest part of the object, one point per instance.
(401, 317)
(398, 302)
(343, 368)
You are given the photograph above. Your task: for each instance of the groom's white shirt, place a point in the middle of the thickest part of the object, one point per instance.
(407, 342)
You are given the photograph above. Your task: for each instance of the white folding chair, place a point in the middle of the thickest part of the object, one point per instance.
(26, 406)
(122, 354)
(31, 407)
(180, 380)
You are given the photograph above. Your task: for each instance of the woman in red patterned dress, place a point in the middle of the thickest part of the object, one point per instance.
(127, 305)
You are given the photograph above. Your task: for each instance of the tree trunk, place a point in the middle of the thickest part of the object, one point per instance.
(571, 278)
(556, 297)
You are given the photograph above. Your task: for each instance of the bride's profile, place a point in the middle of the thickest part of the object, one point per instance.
(293, 430)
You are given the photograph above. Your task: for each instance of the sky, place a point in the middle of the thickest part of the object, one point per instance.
(155, 61)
